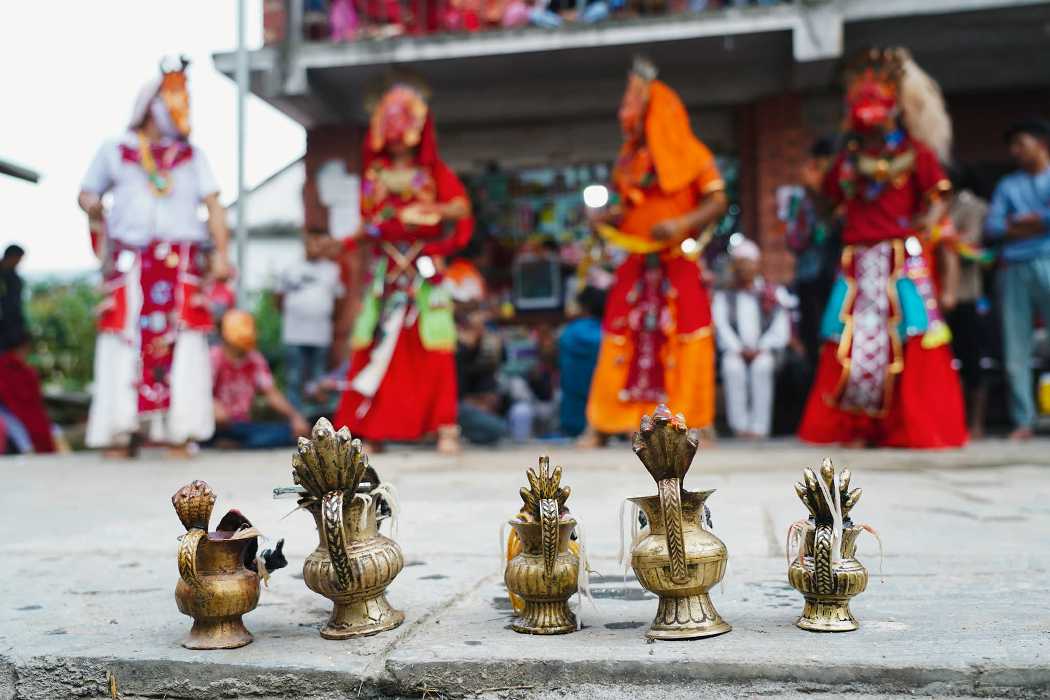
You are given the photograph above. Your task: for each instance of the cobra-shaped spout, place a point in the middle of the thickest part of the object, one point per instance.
(666, 446)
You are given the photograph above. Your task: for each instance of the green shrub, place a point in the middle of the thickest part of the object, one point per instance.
(61, 320)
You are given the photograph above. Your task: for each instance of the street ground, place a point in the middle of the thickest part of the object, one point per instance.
(961, 606)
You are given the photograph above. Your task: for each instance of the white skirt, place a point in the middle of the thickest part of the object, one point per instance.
(114, 415)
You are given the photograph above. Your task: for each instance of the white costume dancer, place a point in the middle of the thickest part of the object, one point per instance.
(751, 326)
(151, 356)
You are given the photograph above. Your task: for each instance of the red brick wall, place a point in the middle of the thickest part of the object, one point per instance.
(323, 144)
(979, 120)
(773, 141)
(274, 19)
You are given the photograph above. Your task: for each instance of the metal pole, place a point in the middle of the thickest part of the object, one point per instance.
(242, 193)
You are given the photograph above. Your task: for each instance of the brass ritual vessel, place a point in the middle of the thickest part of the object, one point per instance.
(826, 571)
(215, 585)
(353, 563)
(678, 559)
(544, 573)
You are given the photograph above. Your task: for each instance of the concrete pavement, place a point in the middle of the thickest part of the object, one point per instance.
(87, 550)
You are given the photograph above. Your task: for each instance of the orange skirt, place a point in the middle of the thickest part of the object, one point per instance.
(689, 375)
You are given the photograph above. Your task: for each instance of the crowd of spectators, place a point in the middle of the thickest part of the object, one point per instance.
(348, 20)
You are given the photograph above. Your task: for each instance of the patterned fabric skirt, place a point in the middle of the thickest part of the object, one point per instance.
(886, 373)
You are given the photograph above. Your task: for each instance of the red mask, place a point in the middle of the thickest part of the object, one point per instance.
(872, 104)
(398, 118)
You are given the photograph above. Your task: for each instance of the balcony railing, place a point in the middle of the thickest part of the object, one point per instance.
(362, 20)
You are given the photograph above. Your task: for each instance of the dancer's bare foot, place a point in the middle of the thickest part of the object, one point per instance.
(1022, 434)
(858, 444)
(448, 440)
(183, 451)
(117, 453)
(591, 439)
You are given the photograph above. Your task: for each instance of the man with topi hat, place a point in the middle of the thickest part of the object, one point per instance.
(154, 320)
(751, 326)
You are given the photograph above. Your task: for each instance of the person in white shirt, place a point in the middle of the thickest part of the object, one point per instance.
(750, 326)
(151, 354)
(307, 296)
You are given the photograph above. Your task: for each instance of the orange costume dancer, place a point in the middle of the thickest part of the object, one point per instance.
(402, 379)
(657, 345)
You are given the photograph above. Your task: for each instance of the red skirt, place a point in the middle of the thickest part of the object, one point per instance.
(925, 411)
(416, 396)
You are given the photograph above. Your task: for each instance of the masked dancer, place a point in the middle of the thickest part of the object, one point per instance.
(657, 345)
(885, 375)
(151, 355)
(415, 211)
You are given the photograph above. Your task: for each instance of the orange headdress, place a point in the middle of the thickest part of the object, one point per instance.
(166, 99)
(678, 156)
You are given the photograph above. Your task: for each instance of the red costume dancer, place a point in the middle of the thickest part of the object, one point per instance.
(415, 210)
(885, 375)
(151, 356)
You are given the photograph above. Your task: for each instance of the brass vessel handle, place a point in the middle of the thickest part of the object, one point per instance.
(332, 522)
(549, 534)
(823, 576)
(670, 491)
(188, 557)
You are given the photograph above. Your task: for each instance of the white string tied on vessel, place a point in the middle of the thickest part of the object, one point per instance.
(835, 505)
(366, 501)
(583, 578)
(874, 533)
(637, 535)
(503, 550)
(795, 546)
(388, 492)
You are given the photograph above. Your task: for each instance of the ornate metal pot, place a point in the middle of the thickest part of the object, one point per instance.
(544, 572)
(678, 559)
(353, 563)
(215, 587)
(825, 571)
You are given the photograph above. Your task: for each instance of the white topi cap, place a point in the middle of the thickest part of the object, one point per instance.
(745, 249)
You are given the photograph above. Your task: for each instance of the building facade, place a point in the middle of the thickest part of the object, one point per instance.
(760, 79)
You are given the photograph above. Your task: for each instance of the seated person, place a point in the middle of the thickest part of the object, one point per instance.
(751, 327)
(22, 410)
(479, 353)
(578, 347)
(239, 371)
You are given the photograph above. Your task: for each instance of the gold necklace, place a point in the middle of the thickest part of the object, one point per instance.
(158, 181)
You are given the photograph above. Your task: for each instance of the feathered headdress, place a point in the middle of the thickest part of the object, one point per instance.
(883, 85)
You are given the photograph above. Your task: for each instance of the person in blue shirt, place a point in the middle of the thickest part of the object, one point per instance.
(578, 347)
(1019, 220)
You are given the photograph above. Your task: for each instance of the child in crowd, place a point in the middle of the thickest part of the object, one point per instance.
(239, 371)
(307, 295)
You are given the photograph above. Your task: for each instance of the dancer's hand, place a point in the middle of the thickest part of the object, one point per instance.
(299, 426)
(220, 266)
(666, 230)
